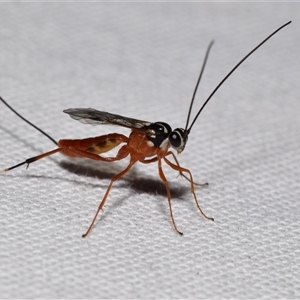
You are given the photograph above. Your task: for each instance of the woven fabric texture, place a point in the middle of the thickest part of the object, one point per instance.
(142, 60)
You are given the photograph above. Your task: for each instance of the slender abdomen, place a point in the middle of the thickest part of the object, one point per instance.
(96, 145)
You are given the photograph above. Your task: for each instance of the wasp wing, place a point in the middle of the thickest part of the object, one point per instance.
(95, 117)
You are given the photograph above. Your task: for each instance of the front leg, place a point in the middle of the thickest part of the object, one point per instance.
(182, 174)
(180, 169)
(154, 159)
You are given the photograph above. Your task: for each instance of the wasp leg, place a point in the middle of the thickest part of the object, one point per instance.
(148, 161)
(181, 169)
(182, 174)
(32, 159)
(124, 151)
(165, 181)
(78, 148)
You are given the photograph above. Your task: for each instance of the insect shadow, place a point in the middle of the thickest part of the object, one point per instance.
(138, 183)
(133, 182)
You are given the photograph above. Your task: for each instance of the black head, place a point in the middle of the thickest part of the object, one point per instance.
(162, 132)
(178, 138)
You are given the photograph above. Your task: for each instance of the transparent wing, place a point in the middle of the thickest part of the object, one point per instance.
(95, 117)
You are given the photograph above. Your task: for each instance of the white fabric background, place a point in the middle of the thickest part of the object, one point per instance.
(142, 60)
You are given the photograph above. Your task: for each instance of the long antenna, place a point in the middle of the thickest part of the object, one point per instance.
(226, 77)
(40, 130)
(197, 84)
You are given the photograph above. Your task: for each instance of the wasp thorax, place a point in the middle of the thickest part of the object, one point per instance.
(159, 132)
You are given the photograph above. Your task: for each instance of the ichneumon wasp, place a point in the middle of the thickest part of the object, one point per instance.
(147, 143)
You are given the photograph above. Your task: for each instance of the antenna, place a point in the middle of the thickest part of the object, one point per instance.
(226, 77)
(197, 84)
(40, 130)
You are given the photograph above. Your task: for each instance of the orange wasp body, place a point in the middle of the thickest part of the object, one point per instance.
(147, 143)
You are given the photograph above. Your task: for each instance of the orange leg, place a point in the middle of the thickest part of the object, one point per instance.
(182, 174)
(32, 159)
(165, 181)
(83, 148)
(123, 152)
(148, 161)
(133, 160)
(180, 169)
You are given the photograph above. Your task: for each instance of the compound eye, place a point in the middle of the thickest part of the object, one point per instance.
(176, 138)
